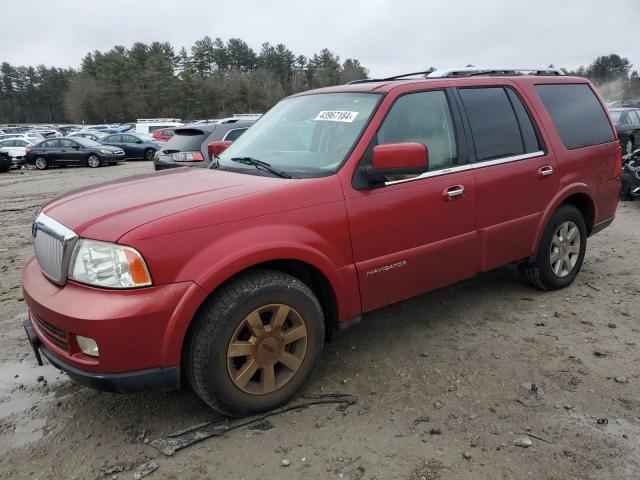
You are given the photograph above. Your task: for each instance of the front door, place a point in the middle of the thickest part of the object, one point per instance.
(417, 233)
(132, 146)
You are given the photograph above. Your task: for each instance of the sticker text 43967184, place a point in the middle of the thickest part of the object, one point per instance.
(336, 116)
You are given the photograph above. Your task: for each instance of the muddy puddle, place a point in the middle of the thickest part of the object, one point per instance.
(28, 392)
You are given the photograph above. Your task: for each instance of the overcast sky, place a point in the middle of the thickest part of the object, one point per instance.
(387, 36)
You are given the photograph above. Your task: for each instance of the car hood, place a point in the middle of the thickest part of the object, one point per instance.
(108, 211)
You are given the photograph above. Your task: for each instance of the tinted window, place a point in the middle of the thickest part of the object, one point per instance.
(232, 135)
(527, 130)
(114, 138)
(129, 139)
(635, 117)
(493, 123)
(577, 114)
(20, 143)
(185, 140)
(51, 144)
(67, 144)
(423, 118)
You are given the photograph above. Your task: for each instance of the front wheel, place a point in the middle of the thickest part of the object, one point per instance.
(93, 161)
(41, 163)
(628, 147)
(561, 251)
(255, 343)
(149, 153)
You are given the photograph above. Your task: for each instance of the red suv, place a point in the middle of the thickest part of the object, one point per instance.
(337, 202)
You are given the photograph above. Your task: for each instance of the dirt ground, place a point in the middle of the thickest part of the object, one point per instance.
(438, 381)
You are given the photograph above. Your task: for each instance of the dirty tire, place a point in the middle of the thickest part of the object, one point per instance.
(149, 153)
(540, 273)
(216, 325)
(41, 163)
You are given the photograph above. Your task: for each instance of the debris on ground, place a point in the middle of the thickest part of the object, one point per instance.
(285, 462)
(523, 442)
(620, 379)
(263, 425)
(533, 396)
(421, 419)
(467, 455)
(602, 421)
(592, 286)
(187, 437)
(144, 470)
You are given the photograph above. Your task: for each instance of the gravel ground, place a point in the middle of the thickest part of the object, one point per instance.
(440, 381)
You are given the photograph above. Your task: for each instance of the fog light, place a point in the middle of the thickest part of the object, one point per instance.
(88, 346)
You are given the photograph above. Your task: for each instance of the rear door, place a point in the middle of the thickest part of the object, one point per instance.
(70, 152)
(516, 176)
(416, 233)
(52, 151)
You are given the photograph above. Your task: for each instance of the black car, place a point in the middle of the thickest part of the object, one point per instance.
(5, 162)
(188, 146)
(630, 176)
(135, 145)
(627, 122)
(72, 151)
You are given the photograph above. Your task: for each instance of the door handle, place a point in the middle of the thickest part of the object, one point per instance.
(545, 171)
(455, 192)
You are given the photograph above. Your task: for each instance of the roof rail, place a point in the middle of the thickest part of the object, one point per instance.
(395, 77)
(474, 71)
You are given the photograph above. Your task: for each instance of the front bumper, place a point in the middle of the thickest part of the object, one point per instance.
(139, 332)
(152, 379)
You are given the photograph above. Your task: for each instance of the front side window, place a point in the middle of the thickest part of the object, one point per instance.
(425, 118)
(493, 122)
(576, 113)
(304, 136)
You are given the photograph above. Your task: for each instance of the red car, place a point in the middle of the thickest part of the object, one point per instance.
(335, 203)
(163, 134)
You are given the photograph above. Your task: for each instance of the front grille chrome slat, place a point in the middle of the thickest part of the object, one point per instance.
(53, 243)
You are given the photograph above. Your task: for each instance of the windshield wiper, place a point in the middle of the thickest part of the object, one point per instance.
(261, 165)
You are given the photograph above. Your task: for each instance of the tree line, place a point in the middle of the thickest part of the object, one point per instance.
(212, 79)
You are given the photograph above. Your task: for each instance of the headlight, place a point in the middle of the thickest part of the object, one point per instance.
(108, 265)
(106, 152)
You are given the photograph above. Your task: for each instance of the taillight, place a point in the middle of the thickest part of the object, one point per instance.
(617, 164)
(188, 157)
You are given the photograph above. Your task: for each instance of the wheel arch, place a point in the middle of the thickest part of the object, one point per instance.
(578, 195)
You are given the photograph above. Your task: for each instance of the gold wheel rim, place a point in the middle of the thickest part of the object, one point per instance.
(267, 349)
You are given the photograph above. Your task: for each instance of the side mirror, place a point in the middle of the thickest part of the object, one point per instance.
(138, 141)
(76, 147)
(216, 148)
(397, 159)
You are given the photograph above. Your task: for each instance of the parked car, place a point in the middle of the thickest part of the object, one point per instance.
(627, 121)
(163, 134)
(630, 176)
(135, 145)
(17, 150)
(5, 162)
(189, 146)
(337, 202)
(32, 137)
(94, 135)
(149, 125)
(76, 151)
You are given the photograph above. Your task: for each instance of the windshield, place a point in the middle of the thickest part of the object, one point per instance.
(86, 142)
(615, 116)
(305, 136)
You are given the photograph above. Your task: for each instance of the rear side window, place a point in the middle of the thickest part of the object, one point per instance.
(635, 118)
(493, 121)
(577, 114)
(186, 140)
(233, 135)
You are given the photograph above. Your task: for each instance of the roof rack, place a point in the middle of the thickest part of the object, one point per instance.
(473, 71)
(465, 72)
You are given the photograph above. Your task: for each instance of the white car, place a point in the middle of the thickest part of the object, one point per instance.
(16, 148)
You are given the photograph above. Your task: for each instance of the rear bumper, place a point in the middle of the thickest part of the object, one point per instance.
(152, 379)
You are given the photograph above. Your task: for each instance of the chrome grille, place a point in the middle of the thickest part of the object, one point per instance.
(53, 243)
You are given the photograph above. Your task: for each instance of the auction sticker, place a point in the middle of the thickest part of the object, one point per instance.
(336, 116)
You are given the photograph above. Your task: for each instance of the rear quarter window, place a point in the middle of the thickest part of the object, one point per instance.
(577, 114)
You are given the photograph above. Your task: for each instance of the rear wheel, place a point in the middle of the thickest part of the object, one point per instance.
(149, 153)
(561, 251)
(93, 161)
(255, 343)
(41, 163)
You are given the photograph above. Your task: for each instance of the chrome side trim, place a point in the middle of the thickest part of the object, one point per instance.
(470, 166)
(53, 244)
